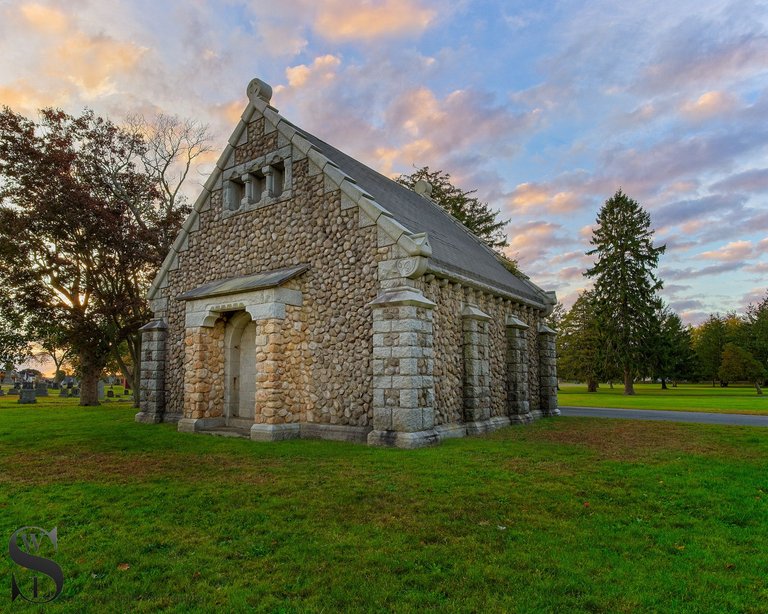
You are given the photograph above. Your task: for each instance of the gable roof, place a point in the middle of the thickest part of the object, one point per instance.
(418, 225)
(454, 247)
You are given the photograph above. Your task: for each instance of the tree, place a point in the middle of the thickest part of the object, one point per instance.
(580, 345)
(626, 287)
(555, 319)
(673, 357)
(86, 218)
(739, 364)
(756, 330)
(477, 216)
(709, 341)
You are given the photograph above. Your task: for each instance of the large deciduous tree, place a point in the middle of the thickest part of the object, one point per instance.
(739, 364)
(83, 228)
(626, 287)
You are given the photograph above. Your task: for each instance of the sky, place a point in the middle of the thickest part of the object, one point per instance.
(545, 108)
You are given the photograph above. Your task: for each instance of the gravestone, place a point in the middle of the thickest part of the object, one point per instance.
(14, 391)
(27, 396)
(101, 390)
(41, 389)
(2, 392)
(110, 394)
(63, 392)
(75, 393)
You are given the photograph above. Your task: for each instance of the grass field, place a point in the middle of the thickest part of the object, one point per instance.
(565, 515)
(686, 397)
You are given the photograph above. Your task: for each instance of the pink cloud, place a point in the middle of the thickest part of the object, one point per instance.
(735, 251)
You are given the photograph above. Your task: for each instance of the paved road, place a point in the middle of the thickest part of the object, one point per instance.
(674, 416)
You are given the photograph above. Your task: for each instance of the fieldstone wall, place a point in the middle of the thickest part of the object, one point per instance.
(203, 371)
(316, 366)
(282, 378)
(450, 299)
(329, 380)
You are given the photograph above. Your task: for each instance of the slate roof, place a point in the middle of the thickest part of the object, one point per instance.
(454, 248)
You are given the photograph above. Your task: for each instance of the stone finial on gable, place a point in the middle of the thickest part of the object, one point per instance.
(259, 89)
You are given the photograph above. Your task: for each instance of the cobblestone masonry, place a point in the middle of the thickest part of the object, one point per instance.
(203, 371)
(333, 368)
(339, 358)
(450, 298)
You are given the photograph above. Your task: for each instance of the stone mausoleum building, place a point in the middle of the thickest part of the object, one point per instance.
(309, 296)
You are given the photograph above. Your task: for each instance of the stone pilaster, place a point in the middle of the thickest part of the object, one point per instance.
(272, 409)
(548, 371)
(403, 363)
(518, 402)
(152, 394)
(477, 369)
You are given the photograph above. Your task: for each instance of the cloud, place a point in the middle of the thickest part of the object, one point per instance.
(323, 67)
(709, 104)
(686, 305)
(751, 181)
(527, 196)
(735, 251)
(44, 19)
(707, 271)
(344, 20)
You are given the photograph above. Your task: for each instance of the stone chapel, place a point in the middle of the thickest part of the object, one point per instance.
(308, 295)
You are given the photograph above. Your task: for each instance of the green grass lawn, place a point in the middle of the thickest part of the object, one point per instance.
(565, 515)
(686, 397)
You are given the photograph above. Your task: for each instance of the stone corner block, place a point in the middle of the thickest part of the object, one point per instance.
(275, 432)
(146, 417)
(187, 425)
(407, 441)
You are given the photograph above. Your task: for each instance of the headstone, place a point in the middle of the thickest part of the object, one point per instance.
(54, 386)
(17, 385)
(2, 392)
(110, 394)
(14, 391)
(75, 393)
(41, 389)
(101, 390)
(27, 396)
(63, 392)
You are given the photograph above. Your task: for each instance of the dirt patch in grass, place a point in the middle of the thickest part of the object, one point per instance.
(632, 440)
(130, 468)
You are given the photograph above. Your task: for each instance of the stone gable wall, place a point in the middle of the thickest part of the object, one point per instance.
(326, 376)
(329, 379)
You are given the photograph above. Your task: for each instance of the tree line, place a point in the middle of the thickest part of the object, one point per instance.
(620, 330)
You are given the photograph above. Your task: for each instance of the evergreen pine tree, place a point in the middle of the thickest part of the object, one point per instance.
(626, 287)
(476, 215)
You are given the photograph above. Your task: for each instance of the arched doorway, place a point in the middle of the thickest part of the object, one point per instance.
(240, 370)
